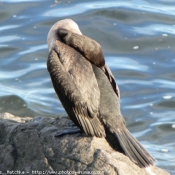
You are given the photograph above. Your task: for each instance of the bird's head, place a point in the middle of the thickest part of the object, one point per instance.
(53, 34)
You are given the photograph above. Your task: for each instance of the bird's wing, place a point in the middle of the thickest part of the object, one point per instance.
(91, 50)
(111, 78)
(76, 86)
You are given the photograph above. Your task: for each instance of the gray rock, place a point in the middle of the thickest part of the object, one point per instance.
(28, 146)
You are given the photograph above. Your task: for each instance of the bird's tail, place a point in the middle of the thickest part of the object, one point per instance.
(133, 149)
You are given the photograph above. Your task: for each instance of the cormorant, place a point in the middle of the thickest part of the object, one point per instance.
(87, 89)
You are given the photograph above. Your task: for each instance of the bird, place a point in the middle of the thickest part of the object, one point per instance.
(88, 91)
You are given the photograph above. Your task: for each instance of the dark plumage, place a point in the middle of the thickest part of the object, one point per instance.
(87, 89)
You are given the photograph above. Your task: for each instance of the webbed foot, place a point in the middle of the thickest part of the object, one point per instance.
(70, 130)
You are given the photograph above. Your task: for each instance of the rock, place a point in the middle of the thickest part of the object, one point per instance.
(28, 146)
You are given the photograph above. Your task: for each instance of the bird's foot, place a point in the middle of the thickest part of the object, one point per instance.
(70, 130)
(71, 124)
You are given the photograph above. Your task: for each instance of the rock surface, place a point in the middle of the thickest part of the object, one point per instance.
(28, 146)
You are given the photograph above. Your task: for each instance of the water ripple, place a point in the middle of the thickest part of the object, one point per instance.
(33, 49)
(137, 38)
(120, 63)
(19, 73)
(66, 10)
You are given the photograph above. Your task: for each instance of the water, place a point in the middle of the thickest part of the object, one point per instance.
(138, 39)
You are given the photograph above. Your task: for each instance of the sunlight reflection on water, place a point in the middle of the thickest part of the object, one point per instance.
(137, 38)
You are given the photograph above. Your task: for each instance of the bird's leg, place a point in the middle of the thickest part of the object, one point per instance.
(72, 129)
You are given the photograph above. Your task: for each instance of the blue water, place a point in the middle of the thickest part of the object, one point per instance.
(138, 40)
